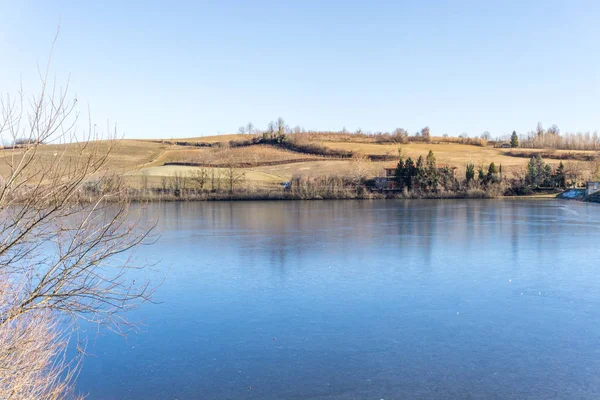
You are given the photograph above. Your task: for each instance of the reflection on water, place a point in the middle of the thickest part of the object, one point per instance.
(359, 299)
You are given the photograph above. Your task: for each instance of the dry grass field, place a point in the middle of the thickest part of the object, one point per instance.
(247, 156)
(217, 138)
(157, 177)
(452, 154)
(127, 155)
(338, 167)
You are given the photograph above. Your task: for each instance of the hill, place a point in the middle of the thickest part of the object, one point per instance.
(152, 162)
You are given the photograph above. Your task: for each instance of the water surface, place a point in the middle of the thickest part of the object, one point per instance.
(364, 300)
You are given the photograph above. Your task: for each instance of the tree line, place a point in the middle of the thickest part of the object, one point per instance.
(550, 138)
(425, 178)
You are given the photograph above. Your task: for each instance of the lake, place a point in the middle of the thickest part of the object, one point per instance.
(491, 299)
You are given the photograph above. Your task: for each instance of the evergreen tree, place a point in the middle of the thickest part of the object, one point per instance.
(432, 171)
(532, 173)
(410, 173)
(514, 140)
(431, 163)
(561, 176)
(399, 174)
(537, 173)
(420, 164)
(492, 175)
(420, 180)
(481, 175)
(547, 175)
(470, 173)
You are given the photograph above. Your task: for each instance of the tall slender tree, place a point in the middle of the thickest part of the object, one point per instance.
(410, 173)
(400, 173)
(432, 171)
(470, 172)
(514, 140)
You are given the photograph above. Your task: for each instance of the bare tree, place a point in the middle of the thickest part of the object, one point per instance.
(233, 174)
(80, 271)
(401, 135)
(270, 132)
(425, 132)
(144, 180)
(177, 183)
(574, 172)
(554, 130)
(281, 127)
(360, 166)
(539, 130)
(250, 128)
(200, 176)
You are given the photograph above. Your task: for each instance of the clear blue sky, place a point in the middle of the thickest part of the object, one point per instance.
(191, 68)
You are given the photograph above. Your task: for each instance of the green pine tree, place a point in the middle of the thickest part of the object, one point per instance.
(492, 175)
(514, 140)
(470, 173)
(432, 171)
(420, 180)
(410, 174)
(561, 176)
(399, 173)
(481, 175)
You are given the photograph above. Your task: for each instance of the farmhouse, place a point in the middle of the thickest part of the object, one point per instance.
(387, 181)
(592, 187)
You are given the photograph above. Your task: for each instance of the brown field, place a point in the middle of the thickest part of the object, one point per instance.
(338, 167)
(126, 155)
(247, 156)
(216, 138)
(157, 176)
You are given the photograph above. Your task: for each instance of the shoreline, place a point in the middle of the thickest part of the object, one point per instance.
(200, 198)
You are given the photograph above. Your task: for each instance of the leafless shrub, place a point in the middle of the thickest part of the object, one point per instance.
(360, 166)
(233, 174)
(200, 177)
(33, 364)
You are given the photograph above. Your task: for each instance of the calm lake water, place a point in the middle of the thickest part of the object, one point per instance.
(364, 300)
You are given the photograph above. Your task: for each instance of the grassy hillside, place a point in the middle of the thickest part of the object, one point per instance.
(219, 156)
(268, 165)
(256, 160)
(126, 155)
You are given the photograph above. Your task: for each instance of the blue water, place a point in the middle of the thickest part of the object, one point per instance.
(364, 300)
